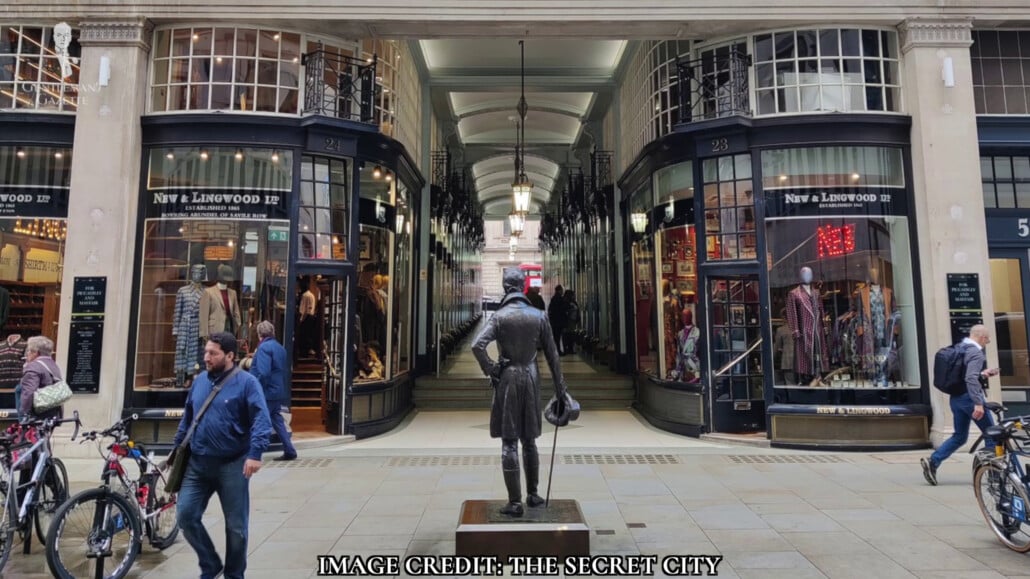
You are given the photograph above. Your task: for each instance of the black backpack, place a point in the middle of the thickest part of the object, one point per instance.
(949, 369)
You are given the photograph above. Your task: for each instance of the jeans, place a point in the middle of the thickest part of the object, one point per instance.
(962, 410)
(279, 425)
(204, 477)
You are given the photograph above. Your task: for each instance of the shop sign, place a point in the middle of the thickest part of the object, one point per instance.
(818, 202)
(278, 233)
(42, 266)
(89, 295)
(1008, 230)
(964, 304)
(216, 203)
(33, 202)
(854, 410)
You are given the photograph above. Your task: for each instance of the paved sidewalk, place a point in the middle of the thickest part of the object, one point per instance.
(771, 513)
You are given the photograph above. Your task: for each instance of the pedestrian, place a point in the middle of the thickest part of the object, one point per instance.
(515, 414)
(226, 451)
(535, 298)
(556, 313)
(269, 367)
(39, 371)
(967, 406)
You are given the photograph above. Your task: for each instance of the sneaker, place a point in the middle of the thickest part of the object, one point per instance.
(929, 471)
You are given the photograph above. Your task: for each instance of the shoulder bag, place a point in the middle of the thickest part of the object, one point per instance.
(51, 396)
(180, 456)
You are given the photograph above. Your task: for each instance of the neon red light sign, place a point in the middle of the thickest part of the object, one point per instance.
(835, 241)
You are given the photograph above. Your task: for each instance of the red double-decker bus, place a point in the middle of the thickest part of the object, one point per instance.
(534, 273)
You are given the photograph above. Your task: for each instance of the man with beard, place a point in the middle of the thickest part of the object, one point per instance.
(226, 448)
(518, 328)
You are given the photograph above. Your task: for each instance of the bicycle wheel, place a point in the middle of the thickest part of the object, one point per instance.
(53, 492)
(1004, 504)
(162, 520)
(7, 523)
(92, 527)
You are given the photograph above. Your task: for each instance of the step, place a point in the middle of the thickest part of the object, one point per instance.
(450, 404)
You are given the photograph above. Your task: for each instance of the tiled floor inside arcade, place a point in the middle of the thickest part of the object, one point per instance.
(771, 513)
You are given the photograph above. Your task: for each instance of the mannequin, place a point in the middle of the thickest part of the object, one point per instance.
(874, 311)
(219, 306)
(688, 365)
(671, 317)
(805, 318)
(189, 349)
(783, 353)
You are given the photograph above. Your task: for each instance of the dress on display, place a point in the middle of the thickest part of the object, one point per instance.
(874, 311)
(189, 350)
(805, 318)
(688, 364)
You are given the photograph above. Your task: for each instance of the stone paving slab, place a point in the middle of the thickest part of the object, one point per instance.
(866, 515)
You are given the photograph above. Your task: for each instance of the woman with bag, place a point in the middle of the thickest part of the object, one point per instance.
(39, 371)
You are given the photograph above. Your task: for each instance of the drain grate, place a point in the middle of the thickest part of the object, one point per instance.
(301, 463)
(785, 459)
(620, 459)
(410, 461)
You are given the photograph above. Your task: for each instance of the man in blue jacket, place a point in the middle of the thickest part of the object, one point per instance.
(226, 451)
(269, 367)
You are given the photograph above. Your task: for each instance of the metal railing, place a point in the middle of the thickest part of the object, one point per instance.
(714, 86)
(340, 86)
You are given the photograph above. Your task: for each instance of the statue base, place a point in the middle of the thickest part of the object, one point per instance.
(558, 530)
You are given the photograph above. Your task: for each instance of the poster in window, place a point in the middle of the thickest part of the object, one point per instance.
(365, 246)
(666, 268)
(684, 268)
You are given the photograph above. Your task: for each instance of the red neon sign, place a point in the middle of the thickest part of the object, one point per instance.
(834, 241)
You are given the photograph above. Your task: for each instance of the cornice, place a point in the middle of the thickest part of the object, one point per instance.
(936, 33)
(113, 32)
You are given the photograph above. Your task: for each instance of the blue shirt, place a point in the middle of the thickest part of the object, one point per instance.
(236, 423)
(269, 367)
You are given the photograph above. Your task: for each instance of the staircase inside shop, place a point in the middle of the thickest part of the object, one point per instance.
(463, 386)
(307, 391)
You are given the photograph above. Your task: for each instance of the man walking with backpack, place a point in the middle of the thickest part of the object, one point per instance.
(968, 403)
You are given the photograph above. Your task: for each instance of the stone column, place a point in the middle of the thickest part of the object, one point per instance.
(949, 209)
(104, 197)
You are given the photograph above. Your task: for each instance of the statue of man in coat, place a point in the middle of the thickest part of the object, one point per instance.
(518, 328)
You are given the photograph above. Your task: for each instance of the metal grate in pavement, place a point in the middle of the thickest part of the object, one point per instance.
(410, 461)
(300, 463)
(785, 459)
(620, 459)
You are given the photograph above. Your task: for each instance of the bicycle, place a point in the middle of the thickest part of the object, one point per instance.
(30, 503)
(107, 522)
(1000, 484)
(980, 455)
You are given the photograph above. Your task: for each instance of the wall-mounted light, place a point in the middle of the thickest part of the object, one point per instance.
(639, 222)
(104, 73)
(948, 72)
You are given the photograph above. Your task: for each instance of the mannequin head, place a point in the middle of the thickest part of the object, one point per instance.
(224, 276)
(198, 273)
(805, 275)
(688, 318)
(874, 275)
(62, 37)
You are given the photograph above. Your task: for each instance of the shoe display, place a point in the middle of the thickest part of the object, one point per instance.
(929, 471)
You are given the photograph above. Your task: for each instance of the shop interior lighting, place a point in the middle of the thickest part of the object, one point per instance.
(55, 229)
(377, 172)
(58, 155)
(639, 222)
(275, 156)
(170, 156)
(239, 154)
(20, 153)
(203, 155)
(855, 176)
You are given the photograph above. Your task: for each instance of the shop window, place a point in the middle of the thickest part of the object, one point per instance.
(39, 68)
(822, 167)
(324, 195)
(827, 70)
(33, 228)
(402, 282)
(239, 69)
(729, 208)
(1006, 182)
(1001, 71)
(841, 282)
(645, 300)
(214, 256)
(735, 336)
(1010, 322)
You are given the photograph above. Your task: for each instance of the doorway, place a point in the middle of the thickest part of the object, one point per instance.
(737, 393)
(319, 352)
(1010, 280)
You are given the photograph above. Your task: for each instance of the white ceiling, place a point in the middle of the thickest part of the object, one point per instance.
(477, 83)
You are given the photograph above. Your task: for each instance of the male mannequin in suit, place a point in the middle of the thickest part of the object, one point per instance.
(219, 306)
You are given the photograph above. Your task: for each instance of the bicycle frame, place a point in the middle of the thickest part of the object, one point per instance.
(41, 449)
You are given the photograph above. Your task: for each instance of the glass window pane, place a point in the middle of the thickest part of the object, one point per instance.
(807, 46)
(224, 40)
(245, 70)
(1010, 322)
(221, 70)
(201, 41)
(987, 168)
(221, 96)
(1023, 195)
(829, 42)
(763, 48)
(181, 40)
(268, 46)
(246, 42)
(850, 43)
(785, 45)
(990, 200)
(1003, 168)
(268, 72)
(870, 43)
(1006, 195)
(162, 43)
(1021, 167)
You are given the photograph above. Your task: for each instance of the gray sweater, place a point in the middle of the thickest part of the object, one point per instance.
(976, 362)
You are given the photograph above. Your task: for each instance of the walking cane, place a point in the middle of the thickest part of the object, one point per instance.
(550, 473)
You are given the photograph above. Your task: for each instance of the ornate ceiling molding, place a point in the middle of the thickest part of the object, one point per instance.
(110, 32)
(936, 33)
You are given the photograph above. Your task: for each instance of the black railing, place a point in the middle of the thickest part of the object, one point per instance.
(339, 86)
(714, 86)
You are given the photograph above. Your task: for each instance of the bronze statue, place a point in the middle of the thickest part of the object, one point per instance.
(519, 328)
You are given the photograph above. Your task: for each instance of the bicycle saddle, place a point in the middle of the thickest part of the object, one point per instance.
(994, 407)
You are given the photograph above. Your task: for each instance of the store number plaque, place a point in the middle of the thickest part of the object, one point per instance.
(86, 338)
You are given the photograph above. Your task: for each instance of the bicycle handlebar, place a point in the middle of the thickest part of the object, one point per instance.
(113, 430)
